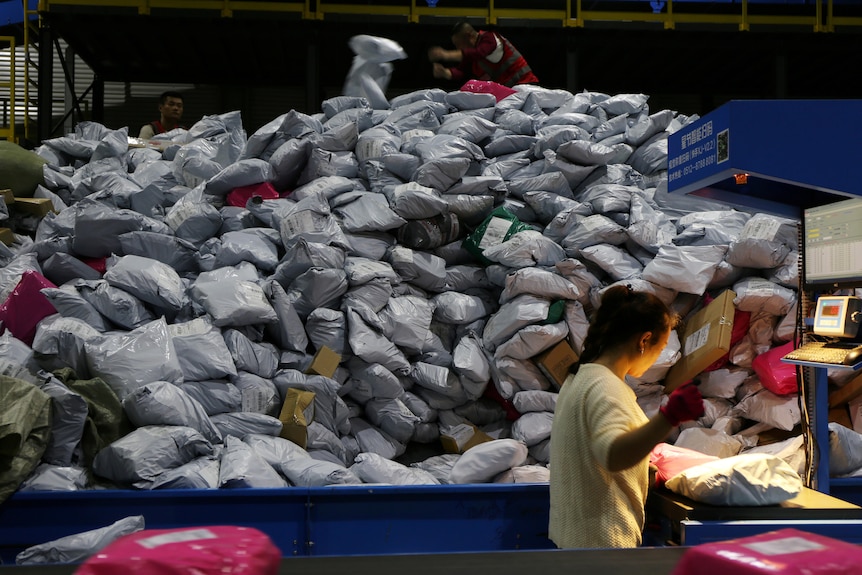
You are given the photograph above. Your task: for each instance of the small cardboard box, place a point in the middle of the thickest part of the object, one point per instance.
(296, 411)
(780, 552)
(7, 236)
(705, 339)
(7, 196)
(324, 362)
(38, 207)
(555, 362)
(460, 438)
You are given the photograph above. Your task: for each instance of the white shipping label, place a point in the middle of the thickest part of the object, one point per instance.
(761, 288)
(255, 400)
(402, 255)
(592, 222)
(180, 213)
(761, 229)
(302, 222)
(252, 293)
(177, 537)
(416, 133)
(412, 187)
(495, 232)
(648, 232)
(197, 326)
(79, 328)
(696, 340)
(9, 369)
(369, 148)
(784, 546)
(461, 433)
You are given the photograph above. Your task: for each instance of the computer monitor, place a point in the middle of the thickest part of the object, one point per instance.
(832, 245)
(837, 316)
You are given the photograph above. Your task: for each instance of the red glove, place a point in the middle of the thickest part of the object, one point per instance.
(684, 404)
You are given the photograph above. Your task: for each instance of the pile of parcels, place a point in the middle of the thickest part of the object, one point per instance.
(301, 305)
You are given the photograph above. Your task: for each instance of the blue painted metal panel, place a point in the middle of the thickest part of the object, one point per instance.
(28, 519)
(12, 11)
(794, 153)
(341, 520)
(363, 520)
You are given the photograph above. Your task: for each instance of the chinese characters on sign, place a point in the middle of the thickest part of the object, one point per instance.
(700, 148)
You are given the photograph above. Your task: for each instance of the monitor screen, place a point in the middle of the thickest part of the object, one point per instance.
(832, 245)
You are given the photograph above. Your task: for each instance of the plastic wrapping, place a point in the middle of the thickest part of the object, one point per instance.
(80, 546)
(162, 403)
(483, 462)
(146, 452)
(754, 479)
(201, 350)
(372, 468)
(212, 550)
(130, 359)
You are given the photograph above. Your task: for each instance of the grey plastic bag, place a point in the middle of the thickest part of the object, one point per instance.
(78, 547)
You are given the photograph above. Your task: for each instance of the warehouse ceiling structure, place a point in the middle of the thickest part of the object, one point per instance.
(700, 53)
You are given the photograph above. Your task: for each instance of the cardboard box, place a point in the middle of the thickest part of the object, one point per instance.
(38, 207)
(781, 552)
(7, 196)
(324, 362)
(846, 393)
(705, 339)
(296, 411)
(555, 362)
(7, 236)
(462, 437)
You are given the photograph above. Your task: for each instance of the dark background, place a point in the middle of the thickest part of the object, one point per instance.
(265, 64)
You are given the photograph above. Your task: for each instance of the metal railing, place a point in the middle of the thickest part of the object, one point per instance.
(818, 15)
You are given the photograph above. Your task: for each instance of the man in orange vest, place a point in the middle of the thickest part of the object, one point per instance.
(482, 54)
(170, 110)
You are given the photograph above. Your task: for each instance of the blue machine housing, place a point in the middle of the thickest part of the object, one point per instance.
(788, 154)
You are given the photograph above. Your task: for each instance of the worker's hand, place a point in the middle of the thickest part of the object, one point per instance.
(442, 72)
(436, 53)
(684, 404)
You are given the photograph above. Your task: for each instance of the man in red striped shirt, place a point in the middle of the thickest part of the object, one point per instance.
(481, 54)
(170, 113)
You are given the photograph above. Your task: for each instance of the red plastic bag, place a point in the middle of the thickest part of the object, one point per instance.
(486, 87)
(239, 197)
(212, 550)
(98, 264)
(775, 375)
(26, 306)
(670, 459)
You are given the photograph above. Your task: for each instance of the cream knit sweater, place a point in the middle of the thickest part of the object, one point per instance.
(592, 507)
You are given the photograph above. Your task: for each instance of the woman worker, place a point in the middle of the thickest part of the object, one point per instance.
(600, 438)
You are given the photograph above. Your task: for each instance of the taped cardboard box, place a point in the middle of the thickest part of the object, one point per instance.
(7, 236)
(555, 362)
(462, 437)
(324, 362)
(38, 207)
(705, 339)
(296, 411)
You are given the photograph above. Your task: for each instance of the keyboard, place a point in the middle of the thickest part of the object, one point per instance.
(822, 352)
